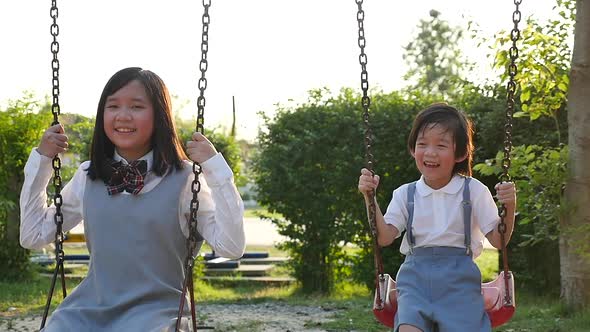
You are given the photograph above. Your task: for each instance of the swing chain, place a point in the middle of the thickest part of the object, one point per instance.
(194, 237)
(368, 137)
(510, 102)
(56, 164)
(511, 91)
(54, 29)
(203, 65)
(366, 102)
(506, 162)
(55, 109)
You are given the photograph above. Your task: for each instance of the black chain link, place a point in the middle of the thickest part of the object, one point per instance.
(194, 237)
(56, 164)
(506, 162)
(511, 91)
(510, 105)
(368, 137)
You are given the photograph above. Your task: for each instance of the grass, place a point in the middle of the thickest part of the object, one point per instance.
(258, 212)
(350, 303)
(488, 264)
(18, 298)
(545, 314)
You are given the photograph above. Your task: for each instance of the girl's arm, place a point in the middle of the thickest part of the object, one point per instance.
(37, 227)
(506, 194)
(386, 233)
(221, 209)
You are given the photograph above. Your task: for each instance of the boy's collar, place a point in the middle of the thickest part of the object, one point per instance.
(451, 188)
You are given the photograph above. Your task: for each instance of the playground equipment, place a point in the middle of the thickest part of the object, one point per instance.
(499, 298)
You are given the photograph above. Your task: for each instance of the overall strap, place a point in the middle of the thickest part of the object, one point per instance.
(467, 214)
(410, 206)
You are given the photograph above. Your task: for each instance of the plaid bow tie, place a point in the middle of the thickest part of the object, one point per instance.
(127, 177)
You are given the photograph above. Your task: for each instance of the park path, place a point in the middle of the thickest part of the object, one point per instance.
(261, 317)
(259, 232)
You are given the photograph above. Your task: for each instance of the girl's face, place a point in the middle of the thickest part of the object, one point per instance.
(129, 120)
(435, 155)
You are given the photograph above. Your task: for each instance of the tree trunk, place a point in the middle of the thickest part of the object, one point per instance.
(575, 263)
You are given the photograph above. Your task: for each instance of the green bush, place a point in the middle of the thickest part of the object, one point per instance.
(225, 144)
(539, 174)
(21, 125)
(307, 170)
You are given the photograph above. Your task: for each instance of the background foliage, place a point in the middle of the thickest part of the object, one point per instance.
(21, 125)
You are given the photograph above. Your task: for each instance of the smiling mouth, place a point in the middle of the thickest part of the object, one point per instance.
(430, 164)
(125, 130)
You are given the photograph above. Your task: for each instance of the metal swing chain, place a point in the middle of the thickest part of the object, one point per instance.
(194, 237)
(56, 163)
(505, 176)
(366, 102)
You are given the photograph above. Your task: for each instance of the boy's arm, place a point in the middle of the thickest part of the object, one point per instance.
(386, 233)
(506, 194)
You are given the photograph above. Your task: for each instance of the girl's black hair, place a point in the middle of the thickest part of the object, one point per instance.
(166, 146)
(452, 120)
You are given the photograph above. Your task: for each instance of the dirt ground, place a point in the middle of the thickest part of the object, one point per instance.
(263, 317)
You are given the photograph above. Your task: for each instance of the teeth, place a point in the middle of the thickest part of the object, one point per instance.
(430, 164)
(125, 130)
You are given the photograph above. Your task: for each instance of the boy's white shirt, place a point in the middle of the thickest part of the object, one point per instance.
(438, 214)
(220, 215)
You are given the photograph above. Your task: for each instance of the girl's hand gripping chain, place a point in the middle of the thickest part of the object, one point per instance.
(53, 141)
(200, 149)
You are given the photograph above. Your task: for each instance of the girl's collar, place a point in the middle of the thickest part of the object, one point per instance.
(148, 157)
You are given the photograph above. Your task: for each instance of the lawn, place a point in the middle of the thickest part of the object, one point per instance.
(351, 303)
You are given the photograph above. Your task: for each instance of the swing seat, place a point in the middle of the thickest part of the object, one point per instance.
(385, 310)
(499, 310)
(493, 293)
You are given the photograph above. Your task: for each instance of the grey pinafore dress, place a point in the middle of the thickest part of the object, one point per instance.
(137, 251)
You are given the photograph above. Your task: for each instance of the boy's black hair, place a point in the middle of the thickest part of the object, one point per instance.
(166, 146)
(453, 120)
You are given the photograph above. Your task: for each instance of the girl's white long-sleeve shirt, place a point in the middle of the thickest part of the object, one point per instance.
(220, 214)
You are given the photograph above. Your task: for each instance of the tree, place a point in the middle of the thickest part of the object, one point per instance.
(299, 170)
(79, 130)
(575, 232)
(225, 144)
(540, 163)
(434, 58)
(543, 63)
(308, 162)
(21, 125)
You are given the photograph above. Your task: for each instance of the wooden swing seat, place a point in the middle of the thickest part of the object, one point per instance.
(499, 310)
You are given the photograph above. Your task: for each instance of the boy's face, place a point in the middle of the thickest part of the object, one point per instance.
(434, 153)
(129, 120)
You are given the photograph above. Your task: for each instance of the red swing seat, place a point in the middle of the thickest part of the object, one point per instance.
(494, 295)
(385, 307)
(499, 308)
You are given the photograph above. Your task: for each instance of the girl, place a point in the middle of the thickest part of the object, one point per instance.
(439, 285)
(134, 197)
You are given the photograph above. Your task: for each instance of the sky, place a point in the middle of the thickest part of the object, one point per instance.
(262, 52)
